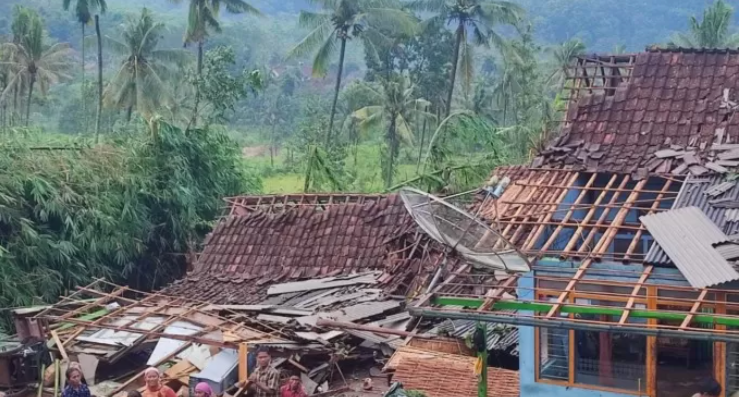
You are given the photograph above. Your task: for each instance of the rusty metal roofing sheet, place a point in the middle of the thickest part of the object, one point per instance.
(693, 194)
(688, 237)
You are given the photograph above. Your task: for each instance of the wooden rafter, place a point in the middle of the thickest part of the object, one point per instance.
(694, 310)
(652, 210)
(570, 287)
(534, 237)
(635, 293)
(591, 213)
(507, 285)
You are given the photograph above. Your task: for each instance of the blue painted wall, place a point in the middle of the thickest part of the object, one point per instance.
(529, 386)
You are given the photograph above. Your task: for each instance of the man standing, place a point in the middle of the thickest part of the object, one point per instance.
(265, 380)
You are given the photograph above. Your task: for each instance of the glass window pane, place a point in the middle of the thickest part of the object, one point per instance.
(554, 353)
(615, 360)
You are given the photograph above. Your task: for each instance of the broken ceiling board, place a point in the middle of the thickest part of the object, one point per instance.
(314, 336)
(725, 146)
(728, 163)
(89, 365)
(729, 155)
(353, 313)
(690, 158)
(719, 189)
(122, 338)
(324, 283)
(716, 168)
(698, 170)
(667, 153)
(270, 318)
(687, 236)
(166, 346)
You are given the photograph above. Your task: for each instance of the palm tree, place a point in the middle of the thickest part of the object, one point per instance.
(476, 17)
(33, 61)
(84, 11)
(711, 32)
(203, 16)
(342, 21)
(563, 55)
(140, 80)
(395, 108)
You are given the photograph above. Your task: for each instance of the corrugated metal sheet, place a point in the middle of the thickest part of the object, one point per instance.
(499, 336)
(728, 251)
(687, 235)
(693, 194)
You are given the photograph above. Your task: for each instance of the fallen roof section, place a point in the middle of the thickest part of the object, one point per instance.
(688, 237)
(714, 195)
(446, 375)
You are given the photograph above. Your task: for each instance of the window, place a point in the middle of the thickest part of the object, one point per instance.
(554, 348)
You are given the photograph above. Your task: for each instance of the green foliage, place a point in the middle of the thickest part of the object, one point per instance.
(128, 211)
(713, 31)
(142, 81)
(219, 88)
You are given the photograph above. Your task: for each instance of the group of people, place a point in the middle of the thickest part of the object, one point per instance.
(263, 382)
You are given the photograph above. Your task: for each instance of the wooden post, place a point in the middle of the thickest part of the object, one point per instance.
(652, 345)
(243, 362)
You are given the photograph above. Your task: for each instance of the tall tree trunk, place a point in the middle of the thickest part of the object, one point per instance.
(100, 78)
(200, 58)
(455, 60)
(15, 106)
(420, 146)
(393, 146)
(82, 91)
(336, 89)
(272, 145)
(194, 119)
(30, 93)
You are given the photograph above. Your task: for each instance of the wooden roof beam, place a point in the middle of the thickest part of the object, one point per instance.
(635, 293)
(570, 287)
(693, 310)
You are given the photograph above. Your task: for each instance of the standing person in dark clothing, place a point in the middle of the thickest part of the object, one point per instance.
(75, 387)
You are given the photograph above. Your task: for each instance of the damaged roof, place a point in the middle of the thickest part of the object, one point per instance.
(716, 196)
(688, 237)
(664, 111)
(269, 240)
(446, 375)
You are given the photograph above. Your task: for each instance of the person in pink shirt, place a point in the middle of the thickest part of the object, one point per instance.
(293, 388)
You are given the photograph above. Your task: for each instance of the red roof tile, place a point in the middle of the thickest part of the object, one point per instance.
(279, 239)
(673, 98)
(444, 375)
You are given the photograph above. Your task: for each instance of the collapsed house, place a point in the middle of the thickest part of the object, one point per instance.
(325, 282)
(631, 216)
(628, 223)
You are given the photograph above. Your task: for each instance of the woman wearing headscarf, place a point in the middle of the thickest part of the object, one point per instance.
(203, 389)
(154, 386)
(74, 386)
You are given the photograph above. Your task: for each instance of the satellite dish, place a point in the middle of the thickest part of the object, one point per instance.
(463, 233)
